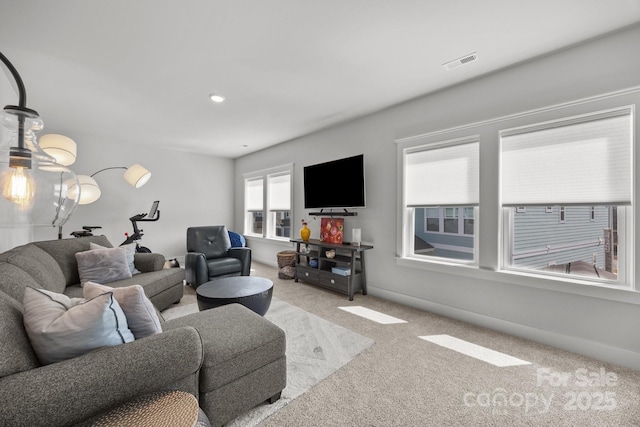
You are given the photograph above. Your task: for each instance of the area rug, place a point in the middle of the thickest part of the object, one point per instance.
(316, 348)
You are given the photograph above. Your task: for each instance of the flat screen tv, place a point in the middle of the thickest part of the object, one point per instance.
(335, 184)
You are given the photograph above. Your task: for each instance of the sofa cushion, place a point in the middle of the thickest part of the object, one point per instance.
(223, 267)
(38, 264)
(16, 353)
(61, 328)
(162, 287)
(141, 314)
(64, 252)
(103, 265)
(236, 341)
(130, 250)
(13, 280)
(146, 262)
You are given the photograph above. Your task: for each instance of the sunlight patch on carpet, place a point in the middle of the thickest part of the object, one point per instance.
(373, 315)
(476, 351)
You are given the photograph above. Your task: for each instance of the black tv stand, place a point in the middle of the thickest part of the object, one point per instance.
(322, 274)
(332, 213)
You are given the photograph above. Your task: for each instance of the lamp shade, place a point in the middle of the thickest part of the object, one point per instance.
(87, 189)
(137, 175)
(60, 147)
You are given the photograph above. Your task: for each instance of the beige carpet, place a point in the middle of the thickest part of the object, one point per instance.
(316, 348)
(403, 380)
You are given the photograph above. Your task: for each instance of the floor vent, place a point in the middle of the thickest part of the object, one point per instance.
(461, 61)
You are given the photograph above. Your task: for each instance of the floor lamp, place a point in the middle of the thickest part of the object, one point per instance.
(136, 175)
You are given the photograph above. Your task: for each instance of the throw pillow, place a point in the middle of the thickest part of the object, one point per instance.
(102, 265)
(141, 314)
(130, 250)
(61, 328)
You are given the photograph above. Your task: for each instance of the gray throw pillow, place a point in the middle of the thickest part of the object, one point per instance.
(131, 252)
(61, 328)
(141, 314)
(103, 265)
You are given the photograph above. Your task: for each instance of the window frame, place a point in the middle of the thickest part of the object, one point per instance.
(625, 275)
(624, 264)
(269, 225)
(250, 212)
(490, 226)
(461, 217)
(408, 212)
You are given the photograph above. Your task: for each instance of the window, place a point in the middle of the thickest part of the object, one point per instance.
(455, 220)
(469, 223)
(451, 220)
(433, 216)
(582, 166)
(440, 200)
(279, 191)
(268, 203)
(253, 193)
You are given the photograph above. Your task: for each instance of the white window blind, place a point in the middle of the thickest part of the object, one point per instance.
(443, 175)
(582, 160)
(253, 195)
(280, 192)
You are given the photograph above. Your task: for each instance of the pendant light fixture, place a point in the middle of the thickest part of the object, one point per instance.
(34, 186)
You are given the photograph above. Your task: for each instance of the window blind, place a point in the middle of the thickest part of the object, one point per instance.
(253, 195)
(443, 175)
(280, 192)
(584, 160)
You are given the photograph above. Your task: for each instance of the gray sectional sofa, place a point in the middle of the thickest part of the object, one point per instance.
(230, 358)
(52, 265)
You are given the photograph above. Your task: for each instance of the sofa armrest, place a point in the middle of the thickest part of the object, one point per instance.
(244, 255)
(195, 269)
(146, 262)
(70, 391)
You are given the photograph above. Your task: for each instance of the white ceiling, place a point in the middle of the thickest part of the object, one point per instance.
(140, 71)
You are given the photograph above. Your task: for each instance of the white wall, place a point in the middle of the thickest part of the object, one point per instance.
(604, 324)
(193, 190)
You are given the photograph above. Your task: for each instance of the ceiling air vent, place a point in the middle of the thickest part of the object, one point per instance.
(461, 61)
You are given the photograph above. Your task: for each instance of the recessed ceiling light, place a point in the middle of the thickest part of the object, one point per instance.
(216, 97)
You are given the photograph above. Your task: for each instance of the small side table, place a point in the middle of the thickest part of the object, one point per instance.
(253, 292)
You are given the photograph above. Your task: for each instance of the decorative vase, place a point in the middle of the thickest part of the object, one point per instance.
(305, 232)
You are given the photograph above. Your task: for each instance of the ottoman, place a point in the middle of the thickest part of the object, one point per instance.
(167, 408)
(244, 360)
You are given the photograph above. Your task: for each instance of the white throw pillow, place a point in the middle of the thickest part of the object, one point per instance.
(61, 328)
(103, 265)
(130, 250)
(141, 314)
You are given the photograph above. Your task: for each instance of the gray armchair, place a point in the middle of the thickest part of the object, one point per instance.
(210, 255)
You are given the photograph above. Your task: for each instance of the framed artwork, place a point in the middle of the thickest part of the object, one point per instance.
(332, 230)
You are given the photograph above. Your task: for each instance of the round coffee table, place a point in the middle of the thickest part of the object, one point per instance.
(253, 292)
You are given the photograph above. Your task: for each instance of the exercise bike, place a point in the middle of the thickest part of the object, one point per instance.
(87, 230)
(152, 215)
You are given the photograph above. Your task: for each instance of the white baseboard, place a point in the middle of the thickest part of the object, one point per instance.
(596, 350)
(270, 262)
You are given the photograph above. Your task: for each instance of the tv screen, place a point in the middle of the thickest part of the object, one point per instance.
(335, 184)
